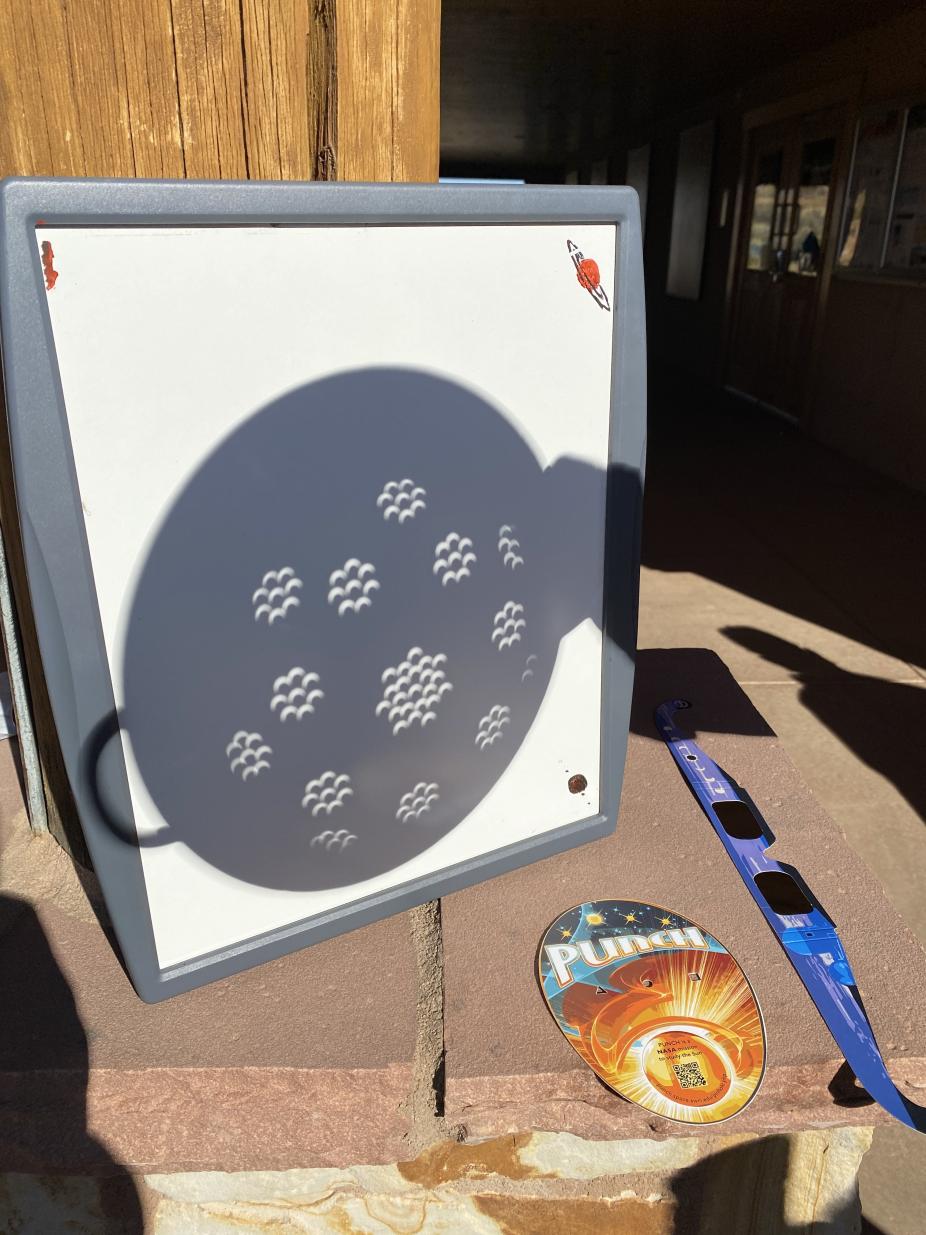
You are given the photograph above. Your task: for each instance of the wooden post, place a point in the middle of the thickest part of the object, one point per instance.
(205, 89)
(388, 89)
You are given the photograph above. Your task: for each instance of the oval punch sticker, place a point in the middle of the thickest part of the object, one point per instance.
(657, 1007)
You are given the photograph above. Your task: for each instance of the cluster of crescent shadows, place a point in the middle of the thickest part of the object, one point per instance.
(296, 693)
(277, 594)
(417, 802)
(509, 547)
(248, 754)
(401, 500)
(327, 793)
(508, 625)
(492, 726)
(453, 557)
(351, 588)
(412, 690)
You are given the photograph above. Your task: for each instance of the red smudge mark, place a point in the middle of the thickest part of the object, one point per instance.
(588, 274)
(48, 256)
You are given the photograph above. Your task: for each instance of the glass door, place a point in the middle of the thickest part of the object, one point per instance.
(758, 298)
(787, 229)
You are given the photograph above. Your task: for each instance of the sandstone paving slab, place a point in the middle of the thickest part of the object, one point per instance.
(823, 641)
(507, 1065)
(791, 524)
(305, 1060)
(532, 1182)
(861, 756)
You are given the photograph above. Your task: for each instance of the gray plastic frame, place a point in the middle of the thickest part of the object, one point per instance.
(55, 544)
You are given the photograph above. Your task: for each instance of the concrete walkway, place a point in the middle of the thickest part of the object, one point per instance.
(804, 571)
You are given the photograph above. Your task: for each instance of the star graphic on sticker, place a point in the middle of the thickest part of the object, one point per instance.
(594, 919)
(630, 917)
(665, 921)
(564, 932)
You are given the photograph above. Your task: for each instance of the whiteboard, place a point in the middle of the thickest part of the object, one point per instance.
(343, 487)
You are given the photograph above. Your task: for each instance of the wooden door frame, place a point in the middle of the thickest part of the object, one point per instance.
(749, 159)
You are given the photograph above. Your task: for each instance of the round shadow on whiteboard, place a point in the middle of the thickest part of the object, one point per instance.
(347, 624)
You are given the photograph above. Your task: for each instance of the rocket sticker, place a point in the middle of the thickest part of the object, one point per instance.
(589, 275)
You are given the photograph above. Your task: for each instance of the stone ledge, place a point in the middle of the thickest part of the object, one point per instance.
(201, 1119)
(544, 1183)
(576, 1102)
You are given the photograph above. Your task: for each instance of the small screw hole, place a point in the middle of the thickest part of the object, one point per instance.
(577, 783)
(693, 758)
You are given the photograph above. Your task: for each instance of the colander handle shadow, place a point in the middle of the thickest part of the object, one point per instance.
(105, 786)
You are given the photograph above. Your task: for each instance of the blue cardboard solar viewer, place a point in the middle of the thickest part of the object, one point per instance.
(330, 498)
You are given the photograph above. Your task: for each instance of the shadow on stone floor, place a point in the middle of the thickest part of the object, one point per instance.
(47, 1181)
(756, 1188)
(743, 498)
(879, 721)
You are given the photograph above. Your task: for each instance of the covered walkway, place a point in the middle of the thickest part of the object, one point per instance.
(804, 571)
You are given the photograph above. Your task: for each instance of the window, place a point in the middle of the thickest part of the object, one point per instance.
(885, 222)
(906, 240)
(812, 197)
(764, 212)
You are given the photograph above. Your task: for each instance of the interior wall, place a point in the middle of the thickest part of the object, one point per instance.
(686, 334)
(866, 393)
(869, 399)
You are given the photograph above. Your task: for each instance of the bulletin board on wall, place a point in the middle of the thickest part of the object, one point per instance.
(330, 502)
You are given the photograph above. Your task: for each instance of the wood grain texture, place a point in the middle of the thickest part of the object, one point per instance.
(88, 89)
(143, 46)
(278, 131)
(209, 48)
(388, 89)
(205, 89)
(39, 108)
(323, 89)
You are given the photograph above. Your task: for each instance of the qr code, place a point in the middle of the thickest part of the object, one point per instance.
(689, 1075)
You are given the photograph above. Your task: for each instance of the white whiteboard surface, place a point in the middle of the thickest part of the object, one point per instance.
(170, 339)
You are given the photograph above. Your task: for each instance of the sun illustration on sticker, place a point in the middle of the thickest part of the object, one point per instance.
(594, 919)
